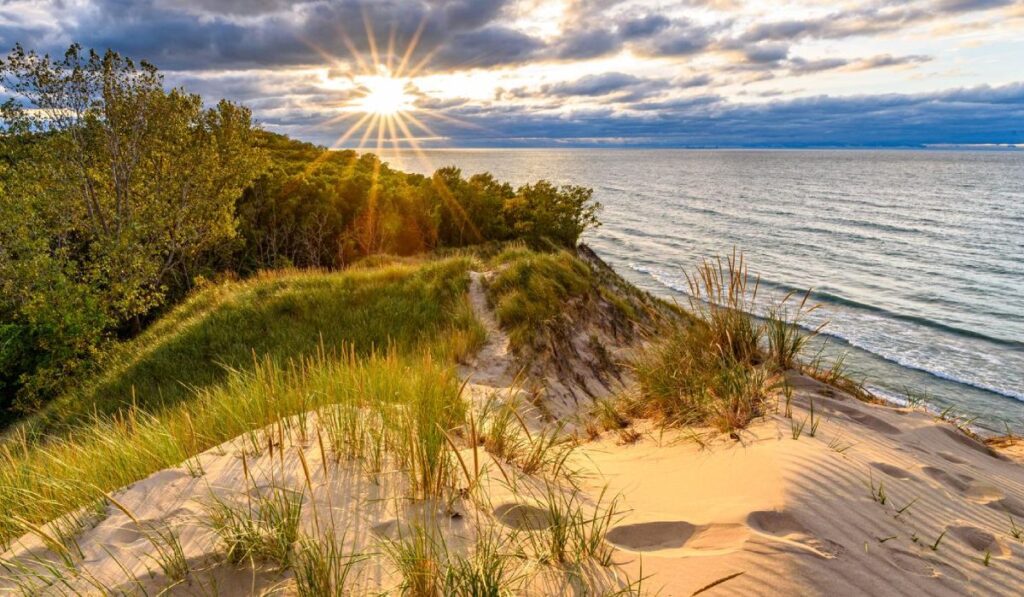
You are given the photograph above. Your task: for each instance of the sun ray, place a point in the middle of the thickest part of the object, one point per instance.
(345, 39)
(421, 125)
(391, 47)
(422, 63)
(448, 118)
(313, 165)
(371, 39)
(409, 49)
(417, 150)
(395, 141)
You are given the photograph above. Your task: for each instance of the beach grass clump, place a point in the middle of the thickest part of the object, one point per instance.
(265, 528)
(722, 297)
(690, 379)
(782, 328)
(322, 568)
(712, 370)
(532, 289)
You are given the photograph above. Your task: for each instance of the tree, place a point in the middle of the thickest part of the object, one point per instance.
(116, 191)
(542, 212)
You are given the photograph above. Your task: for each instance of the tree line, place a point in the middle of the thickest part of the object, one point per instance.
(117, 195)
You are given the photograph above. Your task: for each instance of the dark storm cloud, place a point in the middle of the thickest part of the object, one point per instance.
(278, 33)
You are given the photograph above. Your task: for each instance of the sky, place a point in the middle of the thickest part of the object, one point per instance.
(540, 73)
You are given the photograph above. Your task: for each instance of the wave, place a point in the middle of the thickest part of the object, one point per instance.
(907, 363)
(861, 343)
(916, 319)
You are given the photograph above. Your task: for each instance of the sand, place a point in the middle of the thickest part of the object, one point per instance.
(876, 501)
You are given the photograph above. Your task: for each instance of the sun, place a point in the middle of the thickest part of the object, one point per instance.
(384, 95)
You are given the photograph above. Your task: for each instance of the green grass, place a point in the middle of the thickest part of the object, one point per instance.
(531, 290)
(713, 370)
(396, 330)
(41, 482)
(687, 379)
(282, 315)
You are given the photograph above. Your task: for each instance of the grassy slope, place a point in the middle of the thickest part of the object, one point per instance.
(375, 335)
(283, 315)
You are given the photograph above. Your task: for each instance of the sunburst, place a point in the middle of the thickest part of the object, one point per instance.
(383, 95)
(385, 100)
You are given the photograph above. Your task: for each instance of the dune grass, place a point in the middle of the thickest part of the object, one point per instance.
(281, 315)
(531, 289)
(411, 395)
(392, 408)
(714, 370)
(379, 343)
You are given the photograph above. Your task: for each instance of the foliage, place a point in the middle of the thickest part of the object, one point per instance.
(117, 191)
(320, 208)
(118, 196)
(541, 211)
(713, 370)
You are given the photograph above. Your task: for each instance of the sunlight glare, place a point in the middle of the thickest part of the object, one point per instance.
(385, 95)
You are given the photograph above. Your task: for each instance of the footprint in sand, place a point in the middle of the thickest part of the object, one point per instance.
(950, 480)
(784, 527)
(919, 566)
(983, 493)
(912, 563)
(970, 443)
(869, 421)
(1011, 506)
(522, 516)
(131, 531)
(970, 488)
(664, 535)
(952, 458)
(892, 471)
(979, 540)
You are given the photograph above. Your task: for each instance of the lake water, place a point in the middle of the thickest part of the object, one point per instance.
(916, 256)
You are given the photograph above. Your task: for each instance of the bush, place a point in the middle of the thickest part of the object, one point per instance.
(542, 212)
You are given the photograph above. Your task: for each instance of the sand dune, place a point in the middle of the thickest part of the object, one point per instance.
(868, 500)
(856, 509)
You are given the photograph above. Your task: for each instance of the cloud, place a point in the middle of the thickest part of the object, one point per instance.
(273, 55)
(607, 84)
(644, 26)
(972, 115)
(222, 34)
(886, 60)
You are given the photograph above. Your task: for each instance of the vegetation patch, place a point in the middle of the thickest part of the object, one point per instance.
(531, 289)
(718, 369)
(281, 316)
